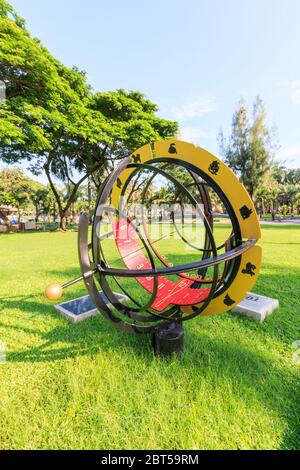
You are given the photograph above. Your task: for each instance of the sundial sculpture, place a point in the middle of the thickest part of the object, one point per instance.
(212, 277)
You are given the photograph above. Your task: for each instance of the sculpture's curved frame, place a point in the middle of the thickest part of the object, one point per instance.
(235, 281)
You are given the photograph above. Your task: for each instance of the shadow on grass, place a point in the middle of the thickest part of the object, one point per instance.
(276, 387)
(281, 326)
(247, 370)
(20, 297)
(87, 337)
(67, 274)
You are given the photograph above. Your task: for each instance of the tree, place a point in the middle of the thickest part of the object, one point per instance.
(279, 190)
(15, 190)
(52, 118)
(43, 200)
(267, 194)
(44, 118)
(250, 148)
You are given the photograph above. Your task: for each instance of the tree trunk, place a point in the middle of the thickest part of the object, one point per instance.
(72, 214)
(63, 210)
(36, 214)
(89, 199)
(63, 221)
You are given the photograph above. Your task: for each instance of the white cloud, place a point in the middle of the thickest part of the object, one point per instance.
(194, 135)
(295, 92)
(291, 154)
(195, 107)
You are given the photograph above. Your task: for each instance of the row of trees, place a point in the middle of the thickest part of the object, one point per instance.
(54, 120)
(26, 195)
(280, 191)
(250, 151)
(22, 193)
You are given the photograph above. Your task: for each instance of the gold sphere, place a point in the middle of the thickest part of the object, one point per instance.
(53, 292)
(219, 209)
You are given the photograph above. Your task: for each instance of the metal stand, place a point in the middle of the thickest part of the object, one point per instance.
(168, 339)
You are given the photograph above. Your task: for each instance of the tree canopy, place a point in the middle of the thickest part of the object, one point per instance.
(54, 120)
(249, 150)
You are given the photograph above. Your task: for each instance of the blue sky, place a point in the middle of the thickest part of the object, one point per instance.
(194, 58)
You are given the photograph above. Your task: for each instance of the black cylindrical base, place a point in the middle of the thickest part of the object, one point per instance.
(168, 339)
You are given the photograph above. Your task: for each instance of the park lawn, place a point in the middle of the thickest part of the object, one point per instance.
(88, 386)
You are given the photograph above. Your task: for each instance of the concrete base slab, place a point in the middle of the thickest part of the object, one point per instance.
(82, 308)
(256, 306)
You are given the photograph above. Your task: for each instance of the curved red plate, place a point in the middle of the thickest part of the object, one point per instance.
(169, 292)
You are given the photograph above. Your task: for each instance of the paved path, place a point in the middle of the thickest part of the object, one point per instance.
(294, 221)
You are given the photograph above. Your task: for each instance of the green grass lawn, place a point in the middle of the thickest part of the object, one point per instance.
(90, 386)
